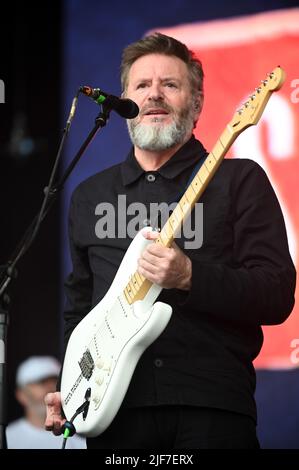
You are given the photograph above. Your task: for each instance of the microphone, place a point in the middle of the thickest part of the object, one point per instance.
(124, 107)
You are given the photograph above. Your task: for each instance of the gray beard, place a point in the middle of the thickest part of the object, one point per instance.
(161, 137)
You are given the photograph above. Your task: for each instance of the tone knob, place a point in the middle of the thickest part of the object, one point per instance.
(96, 400)
(99, 379)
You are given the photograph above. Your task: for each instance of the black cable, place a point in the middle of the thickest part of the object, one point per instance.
(68, 430)
(68, 427)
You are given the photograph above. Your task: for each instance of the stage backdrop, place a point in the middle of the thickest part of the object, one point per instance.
(237, 53)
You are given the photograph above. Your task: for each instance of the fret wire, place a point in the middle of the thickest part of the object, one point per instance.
(132, 286)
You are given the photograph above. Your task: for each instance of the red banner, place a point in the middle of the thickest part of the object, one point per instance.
(236, 55)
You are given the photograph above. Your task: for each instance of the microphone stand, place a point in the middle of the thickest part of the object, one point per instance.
(9, 271)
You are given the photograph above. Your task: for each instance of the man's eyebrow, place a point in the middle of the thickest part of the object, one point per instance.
(142, 79)
(170, 78)
(164, 79)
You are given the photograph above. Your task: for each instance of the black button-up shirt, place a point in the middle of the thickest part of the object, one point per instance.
(242, 277)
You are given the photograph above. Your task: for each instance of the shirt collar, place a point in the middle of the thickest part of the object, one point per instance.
(187, 155)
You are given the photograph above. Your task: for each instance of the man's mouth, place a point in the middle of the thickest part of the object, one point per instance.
(155, 112)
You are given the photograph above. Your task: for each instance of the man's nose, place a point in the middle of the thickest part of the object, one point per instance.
(156, 93)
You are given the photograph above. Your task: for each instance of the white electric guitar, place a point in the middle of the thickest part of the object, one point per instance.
(106, 345)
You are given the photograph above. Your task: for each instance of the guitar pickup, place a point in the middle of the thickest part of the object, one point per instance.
(86, 364)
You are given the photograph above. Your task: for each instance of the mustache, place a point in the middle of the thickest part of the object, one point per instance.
(156, 105)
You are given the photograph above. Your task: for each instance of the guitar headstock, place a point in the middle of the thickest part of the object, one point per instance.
(251, 111)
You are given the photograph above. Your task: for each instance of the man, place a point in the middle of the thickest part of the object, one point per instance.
(194, 386)
(36, 376)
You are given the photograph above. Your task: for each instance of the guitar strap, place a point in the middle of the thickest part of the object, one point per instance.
(157, 224)
(195, 170)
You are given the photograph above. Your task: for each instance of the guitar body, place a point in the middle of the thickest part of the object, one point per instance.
(106, 345)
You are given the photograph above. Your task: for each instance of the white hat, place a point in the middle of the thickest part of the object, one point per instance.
(37, 368)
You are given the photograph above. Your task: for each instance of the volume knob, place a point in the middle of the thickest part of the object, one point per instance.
(100, 362)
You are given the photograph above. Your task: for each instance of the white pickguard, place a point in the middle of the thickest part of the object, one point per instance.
(115, 334)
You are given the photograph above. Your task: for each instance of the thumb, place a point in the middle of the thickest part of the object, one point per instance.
(150, 234)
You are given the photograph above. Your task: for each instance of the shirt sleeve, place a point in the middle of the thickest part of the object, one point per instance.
(79, 283)
(258, 289)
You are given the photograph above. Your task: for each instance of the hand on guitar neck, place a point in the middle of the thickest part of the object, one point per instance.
(169, 268)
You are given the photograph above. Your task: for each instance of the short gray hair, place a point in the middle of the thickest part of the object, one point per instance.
(158, 43)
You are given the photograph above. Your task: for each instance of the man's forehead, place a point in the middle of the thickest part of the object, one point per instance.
(161, 64)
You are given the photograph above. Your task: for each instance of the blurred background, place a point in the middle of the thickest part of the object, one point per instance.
(48, 50)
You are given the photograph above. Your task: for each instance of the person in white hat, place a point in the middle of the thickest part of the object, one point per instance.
(36, 377)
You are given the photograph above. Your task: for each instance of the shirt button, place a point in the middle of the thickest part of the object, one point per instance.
(150, 178)
(158, 362)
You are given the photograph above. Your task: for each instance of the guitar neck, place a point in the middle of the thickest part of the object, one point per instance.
(196, 188)
(138, 286)
(248, 115)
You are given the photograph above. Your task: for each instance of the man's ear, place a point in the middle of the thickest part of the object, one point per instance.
(198, 103)
(197, 106)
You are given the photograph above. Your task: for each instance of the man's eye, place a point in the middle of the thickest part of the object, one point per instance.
(171, 85)
(141, 85)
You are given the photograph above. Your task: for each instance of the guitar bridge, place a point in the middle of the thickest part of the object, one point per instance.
(86, 364)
